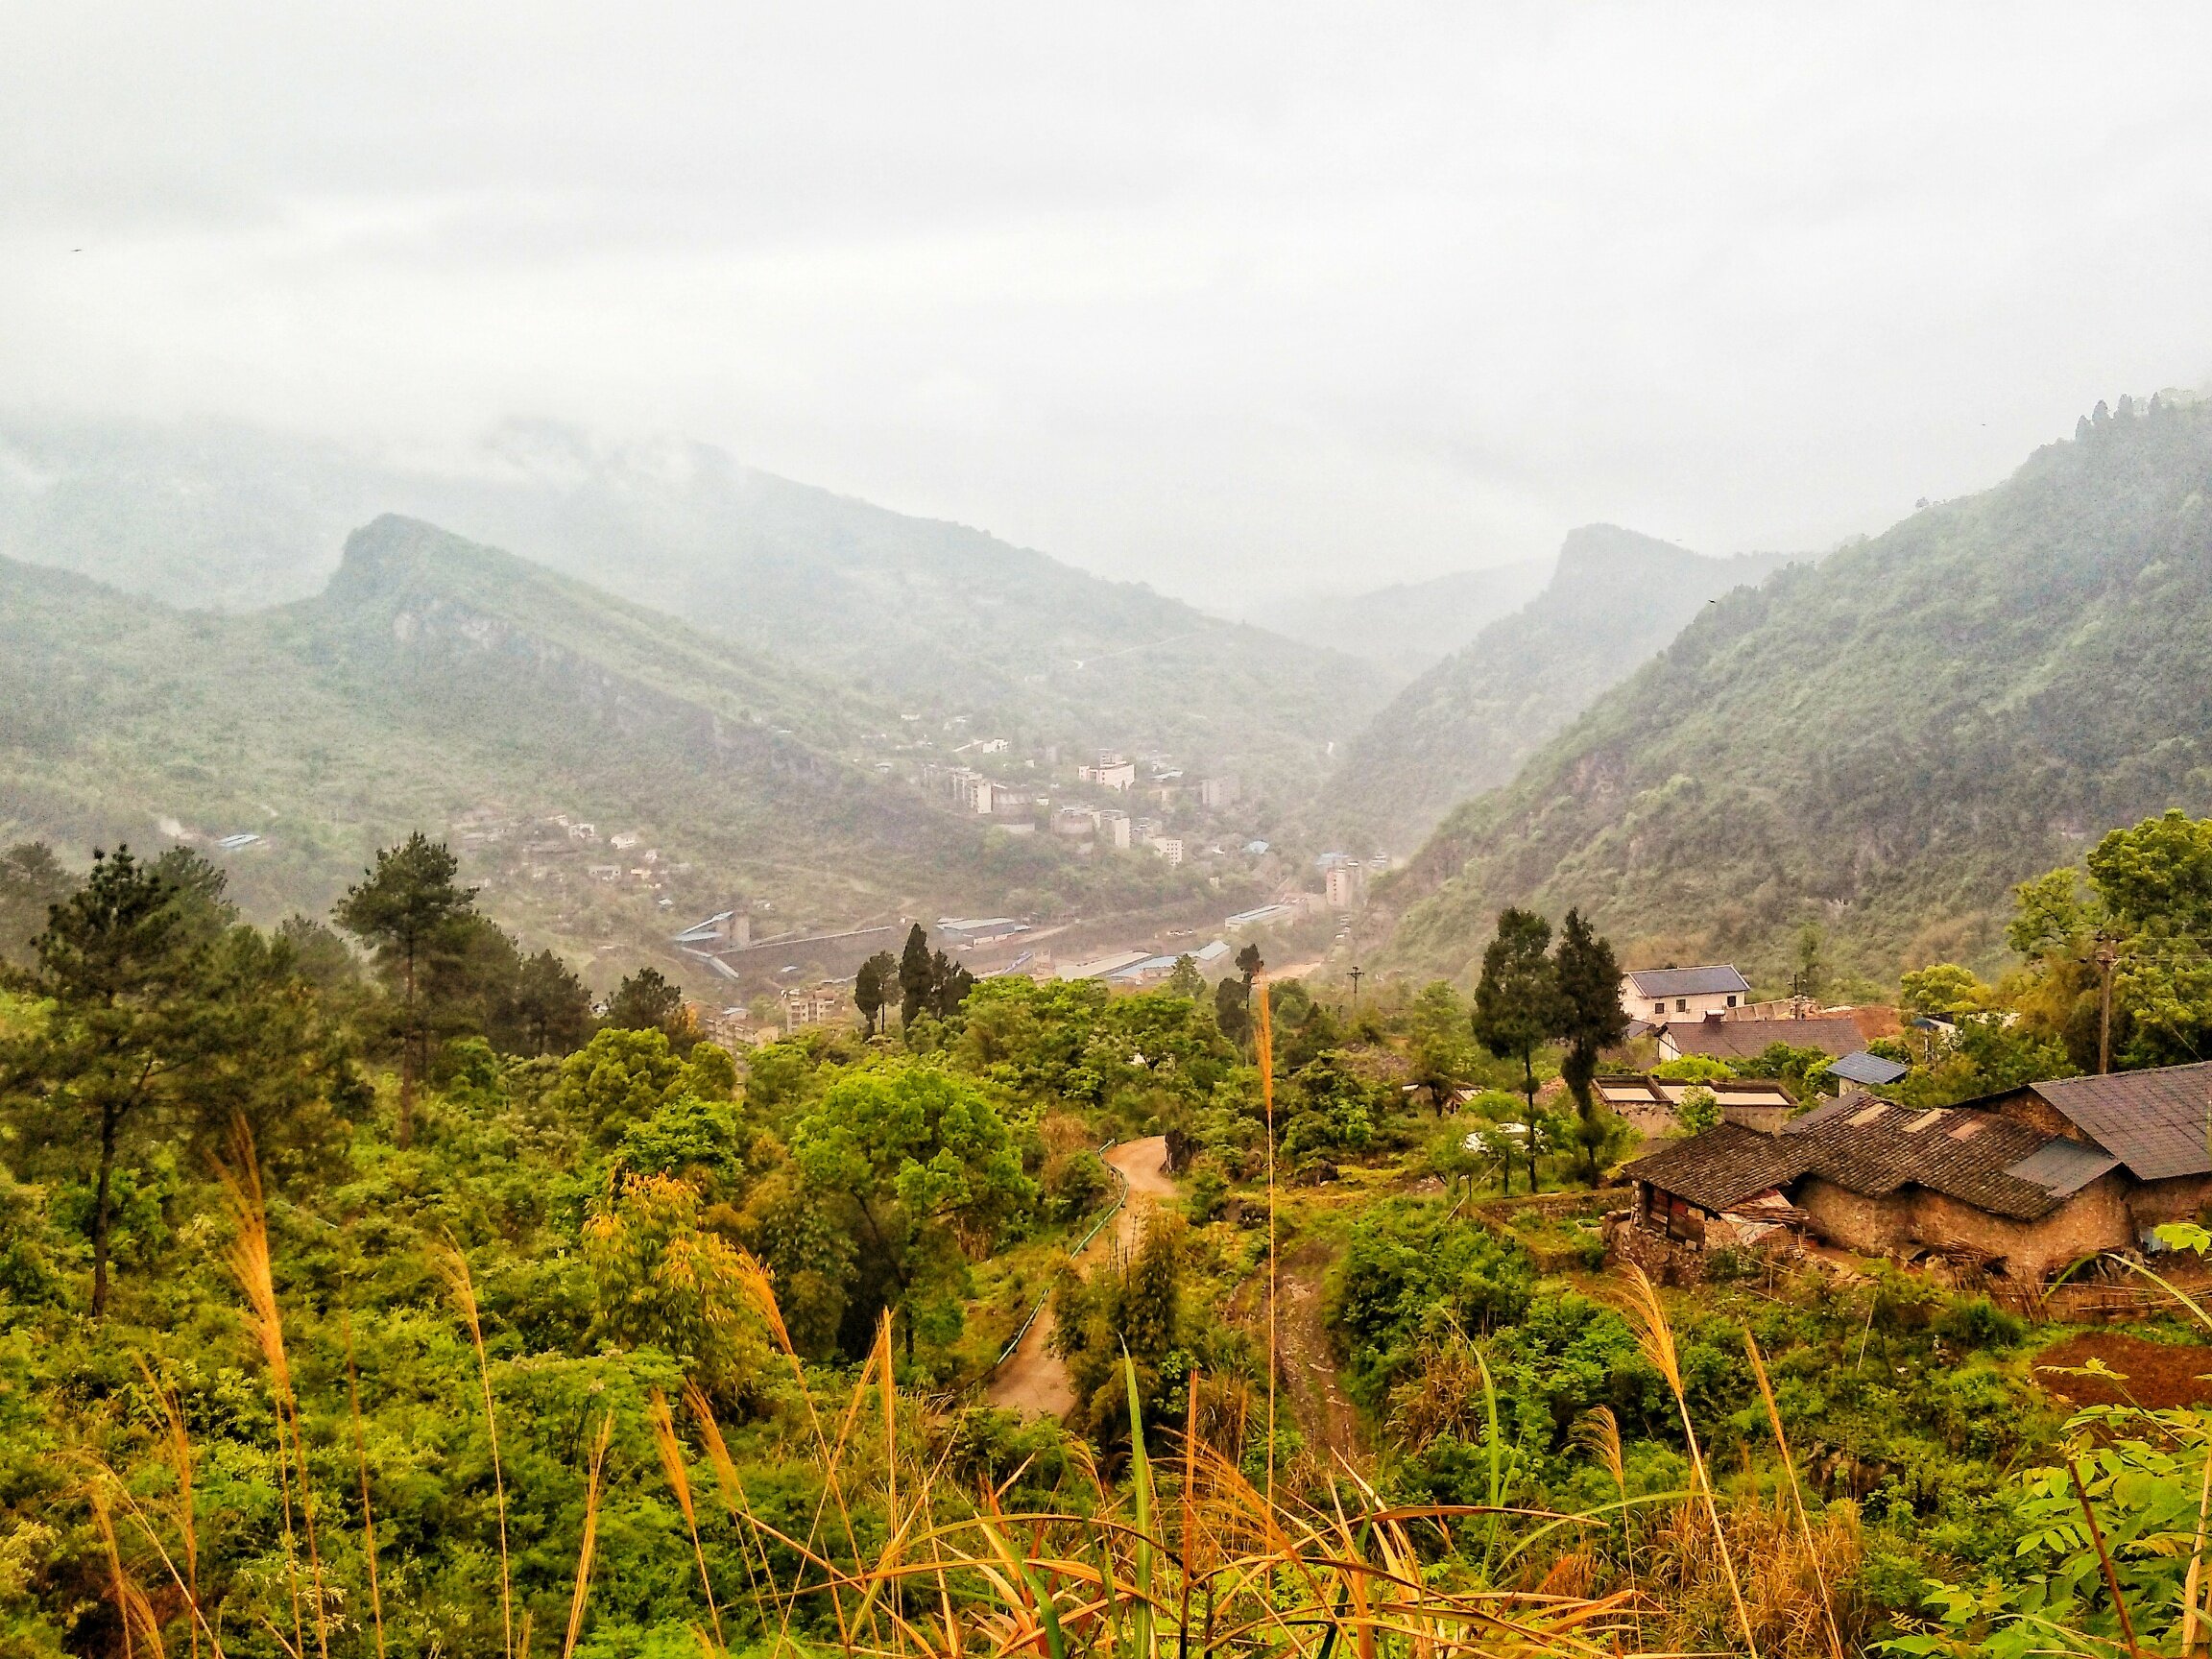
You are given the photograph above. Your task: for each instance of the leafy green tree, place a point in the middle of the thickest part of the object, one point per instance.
(1516, 1005)
(1132, 1311)
(917, 976)
(623, 1077)
(1591, 1019)
(920, 1167)
(1699, 1110)
(1186, 981)
(1249, 965)
(872, 987)
(1943, 988)
(1331, 1109)
(1694, 1068)
(319, 955)
(647, 1001)
(31, 883)
(1438, 1051)
(407, 909)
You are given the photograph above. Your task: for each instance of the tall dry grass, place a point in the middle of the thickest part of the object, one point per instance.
(1173, 1551)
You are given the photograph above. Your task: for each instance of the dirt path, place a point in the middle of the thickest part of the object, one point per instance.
(1328, 1421)
(1033, 1380)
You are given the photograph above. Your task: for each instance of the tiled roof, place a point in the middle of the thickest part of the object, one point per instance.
(1744, 1039)
(1872, 1148)
(1713, 981)
(2156, 1122)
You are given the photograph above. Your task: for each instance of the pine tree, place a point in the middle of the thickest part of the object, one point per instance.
(1517, 1003)
(408, 909)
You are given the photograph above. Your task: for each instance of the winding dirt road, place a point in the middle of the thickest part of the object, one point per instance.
(1033, 1380)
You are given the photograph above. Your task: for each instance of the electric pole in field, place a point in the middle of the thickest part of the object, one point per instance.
(1355, 975)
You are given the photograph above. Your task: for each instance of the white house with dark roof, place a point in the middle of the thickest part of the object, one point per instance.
(1658, 995)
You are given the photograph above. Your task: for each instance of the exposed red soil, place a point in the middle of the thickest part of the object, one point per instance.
(2160, 1373)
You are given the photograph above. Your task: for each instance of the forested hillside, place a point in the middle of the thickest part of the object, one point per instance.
(1883, 743)
(435, 678)
(937, 617)
(1614, 599)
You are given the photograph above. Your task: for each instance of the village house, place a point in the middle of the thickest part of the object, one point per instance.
(2017, 1184)
(1657, 994)
(1716, 1037)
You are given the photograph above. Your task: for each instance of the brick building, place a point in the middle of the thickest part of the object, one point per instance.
(2020, 1183)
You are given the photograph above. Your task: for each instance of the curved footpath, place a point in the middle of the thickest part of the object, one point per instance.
(1033, 1380)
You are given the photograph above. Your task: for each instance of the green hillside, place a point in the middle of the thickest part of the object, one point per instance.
(940, 619)
(1614, 599)
(436, 682)
(1883, 743)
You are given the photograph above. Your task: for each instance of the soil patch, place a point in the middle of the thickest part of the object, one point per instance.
(2160, 1373)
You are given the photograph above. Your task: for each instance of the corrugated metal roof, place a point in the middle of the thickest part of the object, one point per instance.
(2064, 1166)
(2157, 1122)
(1871, 1070)
(1711, 981)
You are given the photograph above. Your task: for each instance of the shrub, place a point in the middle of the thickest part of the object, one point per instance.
(1976, 1322)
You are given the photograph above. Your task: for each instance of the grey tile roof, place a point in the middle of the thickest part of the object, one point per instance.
(1866, 1146)
(1873, 1070)
(1717, 980)
(1744, 1038)
(2157, 1122)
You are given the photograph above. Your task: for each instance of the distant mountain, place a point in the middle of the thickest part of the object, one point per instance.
(436, 682)
(1614, 600)
(1883, 743)
(938, 617)
(1405, 629)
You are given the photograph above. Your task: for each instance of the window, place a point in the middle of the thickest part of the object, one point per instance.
(1658, 1007)
(1731, 1002)
(1681, 1004)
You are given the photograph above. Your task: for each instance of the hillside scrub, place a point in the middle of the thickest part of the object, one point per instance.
(1886, 742)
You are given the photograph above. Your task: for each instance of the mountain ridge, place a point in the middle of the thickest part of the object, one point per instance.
(1881, 744)
(1616, 596)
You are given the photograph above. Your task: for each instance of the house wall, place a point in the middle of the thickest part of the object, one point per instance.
(1639, 1007)
(2154, 1203)
(2095, 1218)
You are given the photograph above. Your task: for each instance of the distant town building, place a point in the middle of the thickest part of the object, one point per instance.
(1341, 885)
(1112, 771)
(1114, 827)
(815, 1004)
(961, 931)
(1220, 791)
(1169, 846)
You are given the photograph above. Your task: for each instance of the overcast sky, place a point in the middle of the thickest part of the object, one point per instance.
(1230, 300)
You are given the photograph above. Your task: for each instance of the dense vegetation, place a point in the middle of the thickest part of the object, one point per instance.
(1615, 598)
(1885, 742)
(434, 678)
(308, 1247)
(932, 616)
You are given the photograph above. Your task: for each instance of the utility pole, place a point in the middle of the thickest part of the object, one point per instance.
(1357, 972)
(2105, 957)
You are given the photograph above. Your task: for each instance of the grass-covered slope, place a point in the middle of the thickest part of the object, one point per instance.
(1615, 598)
(942, 619)
(435, 676)
(1883, 743)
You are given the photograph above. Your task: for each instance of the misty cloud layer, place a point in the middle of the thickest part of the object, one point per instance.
(1231, 302)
